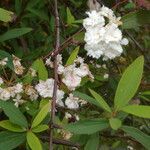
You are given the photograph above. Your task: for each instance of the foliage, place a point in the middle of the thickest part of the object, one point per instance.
(115, 112)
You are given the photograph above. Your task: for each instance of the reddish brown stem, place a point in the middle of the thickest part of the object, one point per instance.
(57, 45)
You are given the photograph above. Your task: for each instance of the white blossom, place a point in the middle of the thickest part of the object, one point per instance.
(4, 61)
(32, 72)
(18, 101)
(106, 76)
(45, 89)
(72, 102)
(18, 68)
(5, 94)
(10, 92)
(103, 39)
(18, 88)
(31, 92)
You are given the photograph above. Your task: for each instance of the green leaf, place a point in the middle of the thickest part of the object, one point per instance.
(11, 140)
(33, 141)
(14, 114)
(145, 93)
(3, 55)
(87, 98)
(87, 126)
(14, 33)
(40, 13)
(138, 135)
(5, 15)
(40, 128)
(100, 100)
(93, 142)
(41, 115)
(135, 19)
(39, 66)
(138, 110)
(70, 17)
(73, 56)
(129, 83)
(115, 123)
(6, 124)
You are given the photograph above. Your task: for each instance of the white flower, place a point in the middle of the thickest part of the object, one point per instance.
(82, 71)
(106, 76)
(32, 72)
(1, 81)
(18, 88)
(105, 11)
(51, 64)
(113, 50)
(3, 62)
(112, 34)
(45, 89)
(60, 96)
(124, 41)
(18, 101)
(94, 36)
(18, 68)
(30, 91)
(5, 94)
(94, 19)
(72, 102)
(60, 69)
(103, 39)
(67, 115)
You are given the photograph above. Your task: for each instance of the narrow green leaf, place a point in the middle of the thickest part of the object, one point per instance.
(5, 15)
(41, 115)
(93, 142)
(100, 100)
(73, 56)
(11, 140)
(14, 33)
(135, 19)
(40, 128)
(70, 17)
(87, 126)
(40, 13)
(6, 124)
(138, 135)
(138, 110)
(39, 66)
(129, 83)
(145, 93)
(87, 98)
(115, 123)
(33, 141)
(14, 114)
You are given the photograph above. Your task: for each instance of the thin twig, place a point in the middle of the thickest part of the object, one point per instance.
(57, 45)
(63, 46)
(62, 142)
(118, 4)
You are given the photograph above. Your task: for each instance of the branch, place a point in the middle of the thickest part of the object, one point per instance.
(67, 42)
(57, 45)
(62, 142)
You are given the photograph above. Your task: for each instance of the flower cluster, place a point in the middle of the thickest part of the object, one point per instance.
(73, 102)
(45, 89)
(103, 37)
(72, 74)
(10, 92)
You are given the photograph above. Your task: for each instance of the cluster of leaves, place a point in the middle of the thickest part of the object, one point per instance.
(27, 30)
